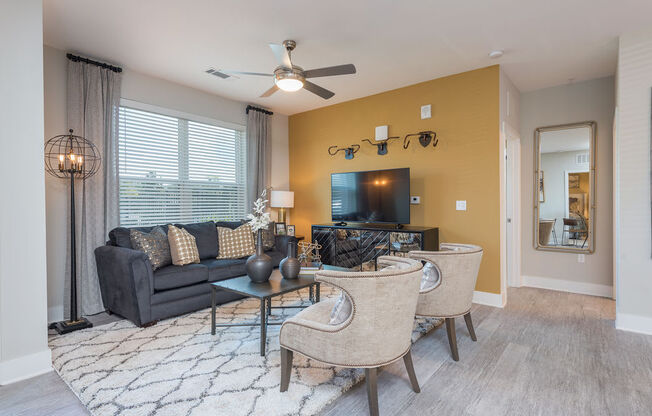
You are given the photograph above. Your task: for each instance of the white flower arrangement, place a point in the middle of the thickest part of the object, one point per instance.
(259, 219)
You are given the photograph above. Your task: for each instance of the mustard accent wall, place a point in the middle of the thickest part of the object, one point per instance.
(464, 166)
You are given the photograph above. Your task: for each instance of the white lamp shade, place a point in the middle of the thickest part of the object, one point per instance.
(282, 199)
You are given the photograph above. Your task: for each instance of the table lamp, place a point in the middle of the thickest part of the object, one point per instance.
(282, 200)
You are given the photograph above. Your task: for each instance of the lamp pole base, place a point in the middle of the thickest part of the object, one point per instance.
(281, 215)
(65, 327)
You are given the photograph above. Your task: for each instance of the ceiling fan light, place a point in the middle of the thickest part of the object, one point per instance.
(289, 84)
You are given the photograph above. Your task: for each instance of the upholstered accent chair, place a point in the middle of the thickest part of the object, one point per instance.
(452, 296)
(377, 332)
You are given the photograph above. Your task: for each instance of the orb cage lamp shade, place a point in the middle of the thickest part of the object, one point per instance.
(71, 157)
(67, 155)
(282, 200)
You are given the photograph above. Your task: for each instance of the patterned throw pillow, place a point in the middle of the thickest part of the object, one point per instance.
(154, 244)
(341, 310)
(431, 277)
(183, 246)
(235, 244)
(269, 240)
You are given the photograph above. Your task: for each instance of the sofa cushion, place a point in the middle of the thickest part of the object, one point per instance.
(171, 277)
(224, 268)
(120, 236)
(276, 256)
(229, 224)
(205, 235)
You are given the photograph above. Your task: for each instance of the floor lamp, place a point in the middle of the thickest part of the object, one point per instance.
(72, 158)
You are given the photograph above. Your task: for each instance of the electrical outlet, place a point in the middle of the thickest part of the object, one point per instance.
(580, 258)
(415, 200)
(426, 111)
(460, 205)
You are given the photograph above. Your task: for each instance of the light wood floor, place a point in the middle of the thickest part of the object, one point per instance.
(545, 353)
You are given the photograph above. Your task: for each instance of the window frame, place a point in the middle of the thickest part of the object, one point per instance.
(185, 118)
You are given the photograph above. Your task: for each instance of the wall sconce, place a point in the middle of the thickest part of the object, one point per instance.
(381, 145)
(425, 137)
(348, 151)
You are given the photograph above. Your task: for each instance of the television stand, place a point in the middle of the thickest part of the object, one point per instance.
(357, 246)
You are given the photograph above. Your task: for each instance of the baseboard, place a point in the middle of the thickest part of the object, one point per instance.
(634, 323)
(489, 299)
(571, 286)
(25, 367)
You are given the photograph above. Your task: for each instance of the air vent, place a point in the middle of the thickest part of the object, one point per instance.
(582, 159)
(216, 72)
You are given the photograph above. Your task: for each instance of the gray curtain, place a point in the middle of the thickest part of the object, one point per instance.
(93, 102)
(258, 154)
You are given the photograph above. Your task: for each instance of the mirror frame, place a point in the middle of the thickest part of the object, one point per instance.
(592, 125)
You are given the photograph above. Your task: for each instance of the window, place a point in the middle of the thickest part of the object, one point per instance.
(177, 170)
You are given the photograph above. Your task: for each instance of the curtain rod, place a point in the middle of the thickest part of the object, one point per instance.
(76, 58)
(262, 110)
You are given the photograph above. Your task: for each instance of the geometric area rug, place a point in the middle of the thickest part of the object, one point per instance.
(177, 367)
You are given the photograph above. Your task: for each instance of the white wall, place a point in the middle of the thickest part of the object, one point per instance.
(584, 101)
(632, 183)
(145, 89)
(24, 350)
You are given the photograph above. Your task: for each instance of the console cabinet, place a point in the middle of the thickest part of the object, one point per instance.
(358, 246)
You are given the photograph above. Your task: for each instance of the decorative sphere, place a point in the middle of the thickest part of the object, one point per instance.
(68, 154)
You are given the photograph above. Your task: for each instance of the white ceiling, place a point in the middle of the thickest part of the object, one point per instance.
(568, 140)
(392, 43)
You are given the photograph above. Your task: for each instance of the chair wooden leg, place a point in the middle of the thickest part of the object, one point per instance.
(372, 390)
(469, 326)
(407, 359)
(452, 339)
(286, 368)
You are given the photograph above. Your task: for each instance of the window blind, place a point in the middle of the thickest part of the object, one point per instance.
(175, 170)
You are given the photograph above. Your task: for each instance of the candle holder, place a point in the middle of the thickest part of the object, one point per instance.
(71, 157)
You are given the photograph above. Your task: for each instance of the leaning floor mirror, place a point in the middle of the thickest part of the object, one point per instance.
(564, 191)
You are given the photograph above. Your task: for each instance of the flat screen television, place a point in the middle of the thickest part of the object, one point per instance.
(376, 196)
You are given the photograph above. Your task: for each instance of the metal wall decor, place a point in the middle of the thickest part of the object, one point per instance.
(349, 152)
(381, 145)
(425, 138)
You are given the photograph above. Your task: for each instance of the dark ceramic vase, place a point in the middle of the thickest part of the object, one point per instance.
(259, 266)
(290, 265)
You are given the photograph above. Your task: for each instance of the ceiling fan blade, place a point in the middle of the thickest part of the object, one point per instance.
(270, 91)
(228, 72)
(330, 71)
(281, 54)
(217, 73)
(316, 89)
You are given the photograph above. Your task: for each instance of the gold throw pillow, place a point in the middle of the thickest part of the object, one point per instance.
(235, 244)
(183, 247)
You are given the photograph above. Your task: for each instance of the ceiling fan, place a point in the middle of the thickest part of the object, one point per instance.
(289, 77)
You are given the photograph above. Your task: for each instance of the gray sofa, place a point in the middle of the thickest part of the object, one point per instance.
(130, 288)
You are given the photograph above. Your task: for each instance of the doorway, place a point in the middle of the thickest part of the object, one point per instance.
(513, 205)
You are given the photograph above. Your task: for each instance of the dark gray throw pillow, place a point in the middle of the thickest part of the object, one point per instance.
(205, 234)
(121, 236)
(155, 244)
